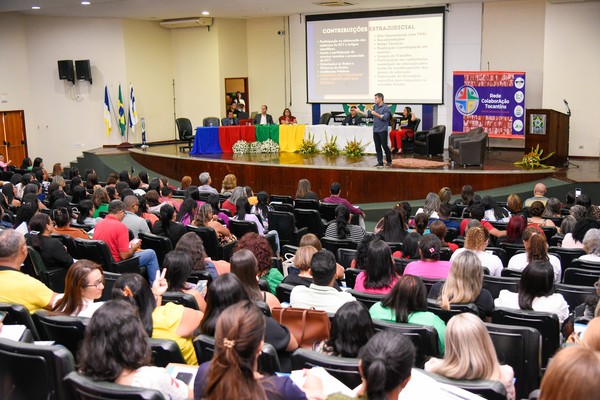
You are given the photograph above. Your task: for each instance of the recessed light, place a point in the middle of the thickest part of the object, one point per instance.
(205, 13)
(85, 3)
(35, 7)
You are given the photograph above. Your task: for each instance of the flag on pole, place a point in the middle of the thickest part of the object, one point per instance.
(107, 122)
(133, 118)
(121, 113)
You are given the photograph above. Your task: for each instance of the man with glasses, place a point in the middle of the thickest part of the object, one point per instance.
(15, 286)
(132, 221)
(116, 235)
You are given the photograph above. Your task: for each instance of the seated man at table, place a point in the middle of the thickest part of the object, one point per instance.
(353, 118)
(231, 120)
(241, 112)
(263, 118)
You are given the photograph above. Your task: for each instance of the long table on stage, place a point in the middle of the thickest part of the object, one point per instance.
(216, 140)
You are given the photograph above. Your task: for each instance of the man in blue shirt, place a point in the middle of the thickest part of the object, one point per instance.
(231, 120)
(381, 116)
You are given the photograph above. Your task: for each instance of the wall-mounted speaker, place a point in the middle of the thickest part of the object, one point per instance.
(66, 70)
(84, 71)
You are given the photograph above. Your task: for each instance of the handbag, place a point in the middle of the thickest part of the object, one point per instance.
(307, 325)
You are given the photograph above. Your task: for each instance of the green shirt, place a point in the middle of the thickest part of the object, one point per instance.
(273, 278)
(378, 311)
(102, 207)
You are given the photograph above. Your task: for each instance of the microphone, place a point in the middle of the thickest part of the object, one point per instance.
(568, 108)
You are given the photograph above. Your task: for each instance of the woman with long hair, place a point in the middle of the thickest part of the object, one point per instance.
(228, 290)
(379, 275)
(115, 349)
(393, 227)
(477, 240)
(464, 285)
(514, 229)
(439, 229)
(287, 118)
(78, 194)
(535, 215)
(191, 244)
(179, 268)
(408, 125)
(232, 372)
(205, 217)
(86, 213)
(242, 213)
(493, 212)
(574, 239)
(431, 207)
(229, 184)
(536, 292)
(245, 267)
(53, 252)
(303, 190)
(351, 329)
(430, 265)
(466, 196)
(407, 303)
(514, 204)
(62, 219)
(421, 223)
(83, 285)
(360, 259)
(261, 208)
(170, 321)
(100, 199)
(260, 247)
(167, 226)
(342, 228)
(536, 248)
(470, 354)
(187, 211)
(410, 246)
(553, 207)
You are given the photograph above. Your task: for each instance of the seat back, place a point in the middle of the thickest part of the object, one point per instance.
(511, 248)
(211, 121)
(184, 128)
(490, 390)
(68, 242)
(428, 282)
(82, 387)
(283, 292)
(424, 337)
(510, 273)
(574, 295)
(240, 228)
(16, 314)
(345, 256)
(350, 276)
(585, 264)
(344, 369)
(546, 323)
(64, 330)
(97, 251)
(200, 275)
(368, 299)
(285, 224)
(333, 244)
(500, 253)
(281, 199)
(283, 207)
(521, 348)
(268, 361)
(566, 256)
(455, 309)
(211, 244)
(288, 249)
(310, 219)
(54, 278)
(160, 244)
(495, 284)
(30, 371)
(325, 118)
(581, 277)
(185, 299)
(327, 211)
(165, 351)
(307, 204)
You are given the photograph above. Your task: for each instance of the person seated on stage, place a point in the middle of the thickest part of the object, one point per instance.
(353, 118)
(407, 129)
(263, 118)
(231, 120)
(335, 189)
(539, 194)
(233, 109)
(241, 112)
(287, 118)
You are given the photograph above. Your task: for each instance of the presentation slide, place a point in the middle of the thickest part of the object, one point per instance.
(400, 53)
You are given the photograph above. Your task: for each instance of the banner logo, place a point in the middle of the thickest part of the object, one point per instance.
(466, 100)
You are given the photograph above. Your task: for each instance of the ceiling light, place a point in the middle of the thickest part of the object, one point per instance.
(205, 13)
(35, 7)
(85, 3)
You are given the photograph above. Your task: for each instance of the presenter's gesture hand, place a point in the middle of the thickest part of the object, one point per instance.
(160, 285)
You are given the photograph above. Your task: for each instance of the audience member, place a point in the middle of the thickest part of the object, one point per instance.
(351, 329)
(213, 200)
(536, 292)
(535, 215)
(262, 208)
(205, 217)
(245, 267)
(334, 190)
(229, 204)
(431, 207)
(320, 294)
(578, 212)
(179, 268)
(574, 239)
(132, 221)
(167, 226)
(464, 285)
(84, 285)
(514, 230)
(301, 260)
(17, 287)
(52, 251)
(493, 212)
(187, 212)
(263, 252)
(229, 183)
(430, 265)
(476, 241)
(410, 246)
(242, 213)
(303, 191)
(407, 303)
(342, 228)
(444, 214)
(192, 244)
(539, 194)
(62, 219)
(116, 235)
(205, 184)
(393, 227)
(311, 239)
(477, 211)
(536, 248)
(379, 275)
(100, 200)
(591, 245)
(514, 204)
(470, 354)
(115, 349)
(421, 222)
(439, 229)
(553, 207)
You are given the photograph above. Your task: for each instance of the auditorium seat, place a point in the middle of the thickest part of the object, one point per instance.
(82, 387)
(53, 278)
(211, 121)
(64, 330)
(490, 390)
(431, 142)
(455, 309)
(185, 299)
(344, 369)
(186, 132)
(285, 224)
(165, 351)
(469, 150)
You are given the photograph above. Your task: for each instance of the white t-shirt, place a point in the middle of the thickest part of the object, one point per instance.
(488, 260)
(89, 308)
(434, 215)
(518, 262)
(555, 303)
(324, 298)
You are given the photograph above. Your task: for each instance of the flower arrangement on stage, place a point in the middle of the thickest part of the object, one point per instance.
(309, 146)
(243, 147)
(533, 159)
(355, 148)
(330, 148)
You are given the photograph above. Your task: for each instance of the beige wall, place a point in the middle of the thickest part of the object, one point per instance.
(149, 68)
(233, 54)
(14, 83)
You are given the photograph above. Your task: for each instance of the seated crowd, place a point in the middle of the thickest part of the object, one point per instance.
(405, 272)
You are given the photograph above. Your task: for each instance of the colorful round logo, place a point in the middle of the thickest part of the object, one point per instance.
(519, 83)
(466, 100)
(518, 111)
(519, 96)
(518, 125)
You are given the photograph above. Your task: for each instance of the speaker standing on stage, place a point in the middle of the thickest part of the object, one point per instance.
(381, 115)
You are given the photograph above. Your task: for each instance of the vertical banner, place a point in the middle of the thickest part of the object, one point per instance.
(494, 100)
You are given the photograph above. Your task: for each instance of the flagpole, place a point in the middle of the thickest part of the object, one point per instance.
(125, 144)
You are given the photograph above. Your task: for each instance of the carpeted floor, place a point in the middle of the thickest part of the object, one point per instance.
(417, 163)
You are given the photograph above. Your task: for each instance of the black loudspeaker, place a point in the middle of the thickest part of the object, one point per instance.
(84, 71)
(66, 70)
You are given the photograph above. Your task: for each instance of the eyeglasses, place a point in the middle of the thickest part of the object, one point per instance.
(97, 283)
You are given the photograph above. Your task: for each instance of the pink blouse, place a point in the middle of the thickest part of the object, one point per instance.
(359, 285)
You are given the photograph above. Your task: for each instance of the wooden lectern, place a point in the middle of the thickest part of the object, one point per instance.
(549, 129)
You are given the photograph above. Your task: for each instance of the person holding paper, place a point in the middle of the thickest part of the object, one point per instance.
(381, 116)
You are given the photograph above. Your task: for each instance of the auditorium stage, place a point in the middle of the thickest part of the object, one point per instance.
(279, 173)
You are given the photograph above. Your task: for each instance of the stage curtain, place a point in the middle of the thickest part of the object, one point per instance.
(206, 141)
(264, 132)
(290, 137)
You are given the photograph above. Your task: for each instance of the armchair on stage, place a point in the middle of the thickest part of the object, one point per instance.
(468, 148)
(430, 142)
